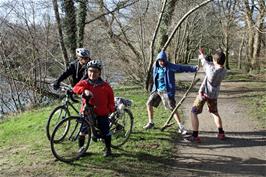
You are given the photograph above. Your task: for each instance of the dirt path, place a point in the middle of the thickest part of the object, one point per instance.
(243, 153)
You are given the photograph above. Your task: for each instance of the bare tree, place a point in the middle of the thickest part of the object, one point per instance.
(60, 33)
(125, 34)
(24, 54)
(254, 35)
(70, 26)
(166, 44)
(81, 19)
(226, 15)
(255, 63)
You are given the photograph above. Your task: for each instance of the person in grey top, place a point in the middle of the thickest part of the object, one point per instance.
(208, 93)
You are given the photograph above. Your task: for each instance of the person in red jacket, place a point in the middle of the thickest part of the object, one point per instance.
(102, 100)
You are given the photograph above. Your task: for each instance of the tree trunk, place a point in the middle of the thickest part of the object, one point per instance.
(165, 24)
(61, 37)
(81, 18)
(255, 63)
(171, 36)
(149, 70)
(249, 22)
(70, 26)
(227, 50)
(176, 51)
(182, 45)
(239, 61)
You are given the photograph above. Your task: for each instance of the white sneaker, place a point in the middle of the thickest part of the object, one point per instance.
(148, 126)
(81, 150)
(182, 130)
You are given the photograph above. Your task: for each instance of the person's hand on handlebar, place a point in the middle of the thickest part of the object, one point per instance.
(70, 92)
(56, 86)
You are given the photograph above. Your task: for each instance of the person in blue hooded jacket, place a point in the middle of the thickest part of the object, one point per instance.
(163, 88)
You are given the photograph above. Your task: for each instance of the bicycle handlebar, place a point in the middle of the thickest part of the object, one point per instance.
(71, 93)
(68, 90)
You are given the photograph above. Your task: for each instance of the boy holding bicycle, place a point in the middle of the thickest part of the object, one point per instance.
(102, 99)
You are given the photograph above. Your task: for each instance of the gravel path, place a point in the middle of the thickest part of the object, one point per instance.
(243, 153)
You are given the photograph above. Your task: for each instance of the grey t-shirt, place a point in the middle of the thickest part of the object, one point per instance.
(212, 81)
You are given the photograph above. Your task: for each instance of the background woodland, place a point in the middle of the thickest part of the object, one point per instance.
(38, 39)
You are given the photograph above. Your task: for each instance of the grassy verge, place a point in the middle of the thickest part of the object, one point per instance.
(25, 150)
(257, 103)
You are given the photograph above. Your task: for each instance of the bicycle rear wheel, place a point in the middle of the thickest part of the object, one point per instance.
(58, 114)
(67, 149)
(121, 128)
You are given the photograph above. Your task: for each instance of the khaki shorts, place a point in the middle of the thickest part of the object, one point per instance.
(199, 103)
(156, 98)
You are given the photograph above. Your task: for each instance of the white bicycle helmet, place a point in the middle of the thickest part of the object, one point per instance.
(95, 64)
(82, 52)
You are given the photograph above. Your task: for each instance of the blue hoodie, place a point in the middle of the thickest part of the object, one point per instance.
(170, 71)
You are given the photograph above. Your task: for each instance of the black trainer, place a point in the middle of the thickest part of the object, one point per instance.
(81, 140)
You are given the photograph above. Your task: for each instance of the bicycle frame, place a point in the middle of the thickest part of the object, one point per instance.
(67, 103)
(91, 127)
(64, 141)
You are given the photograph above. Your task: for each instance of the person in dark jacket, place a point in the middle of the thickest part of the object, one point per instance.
(164, 88)
(76, 69)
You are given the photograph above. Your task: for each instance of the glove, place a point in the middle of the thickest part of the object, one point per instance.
(56, 86)
(87, 94)
(70, 92)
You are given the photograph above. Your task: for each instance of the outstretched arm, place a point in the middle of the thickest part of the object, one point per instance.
(183, 68)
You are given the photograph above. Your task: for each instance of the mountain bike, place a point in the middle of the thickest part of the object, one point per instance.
(67, 148)
(61, 112)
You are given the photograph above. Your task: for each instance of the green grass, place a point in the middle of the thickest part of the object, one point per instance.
(25, 150)
(257, 103)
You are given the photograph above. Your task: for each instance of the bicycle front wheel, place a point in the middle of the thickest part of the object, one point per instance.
(68, 149)
(121, 128)
(58, 114)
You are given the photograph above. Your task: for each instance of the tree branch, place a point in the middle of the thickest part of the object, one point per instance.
(181, 21)
(148, 79)
(110, 12)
